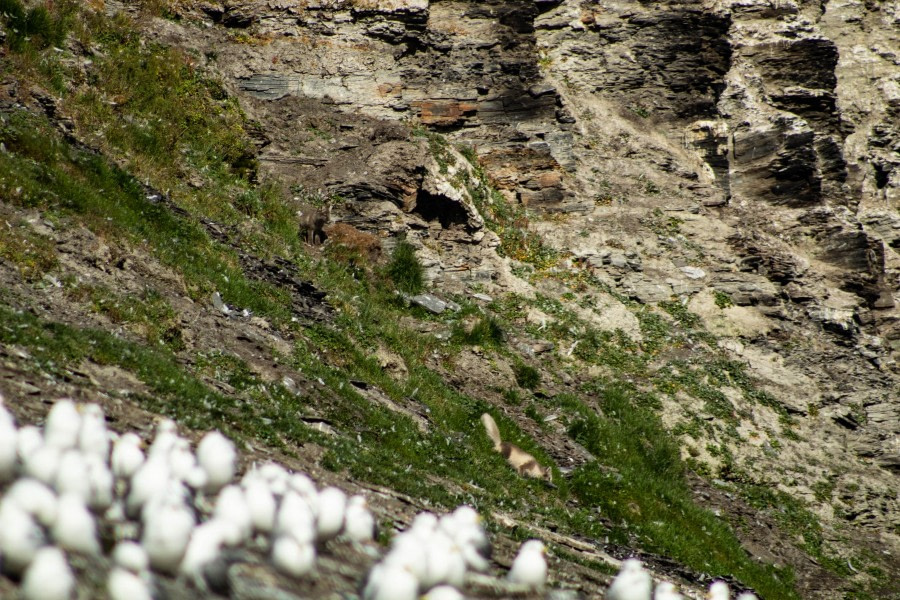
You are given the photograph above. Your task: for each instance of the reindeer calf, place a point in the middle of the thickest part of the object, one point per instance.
(312, 222)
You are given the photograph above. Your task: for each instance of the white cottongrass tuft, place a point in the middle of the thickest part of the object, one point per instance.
(632, 582)
(292, 557)
(75, 529)
(75, 469)
(530, 565)
(217, 456)
(49, 576)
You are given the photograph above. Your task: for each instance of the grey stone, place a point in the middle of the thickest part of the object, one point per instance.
(693, 272)
(432, 303)
(618, 261)
(834, 319)
(644, 290)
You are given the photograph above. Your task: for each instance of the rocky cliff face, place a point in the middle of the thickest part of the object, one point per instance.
(740, 149)
(736, 158)
(789, 106)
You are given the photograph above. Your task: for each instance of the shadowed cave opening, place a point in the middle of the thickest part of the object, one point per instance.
(881, 177)
(433, 207)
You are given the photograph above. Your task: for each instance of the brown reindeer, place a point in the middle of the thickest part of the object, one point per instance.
(313, 220)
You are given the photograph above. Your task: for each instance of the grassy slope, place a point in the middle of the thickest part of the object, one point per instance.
(167, 123)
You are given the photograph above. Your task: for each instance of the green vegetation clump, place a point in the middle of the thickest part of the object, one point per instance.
(612, 349)
(509, 221)
(405, 270)
(33, 254)
(723, 300)
(485, 332)
(657, 333)
(686, 319)
(641, 111)
(639, 483)
(526, 376)
(439, 148)
(35, 28)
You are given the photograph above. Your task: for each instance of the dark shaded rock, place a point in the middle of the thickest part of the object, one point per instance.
(860, 256)
(681, 56)
(767, 257)
(240, 15)
(448, 213)
(214, 11)
(414, 14)
(846, 419)
(778, 163)
(797, 72)
(711, 138)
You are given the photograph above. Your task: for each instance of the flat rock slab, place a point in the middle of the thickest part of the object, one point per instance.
(432, 303)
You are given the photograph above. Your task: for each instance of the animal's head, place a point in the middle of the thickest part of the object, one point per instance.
(547, 475)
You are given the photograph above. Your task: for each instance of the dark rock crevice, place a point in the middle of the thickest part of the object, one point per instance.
(432, 207)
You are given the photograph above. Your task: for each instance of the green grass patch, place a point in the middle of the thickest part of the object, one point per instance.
(613, 349)
(722, 299)
(173, 390)
(36, 28)
(438, 146)
(794, 517)
(639, 483)
(657, 333)
(133, 83)
(39, 170)
(31, 253)
(405, 269)
(167, 122)
(685, 318)
(149, 313)
(486, 332)
(393, 451)
(527, 377)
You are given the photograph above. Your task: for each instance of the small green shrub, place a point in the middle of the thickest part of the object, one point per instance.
(526, 376)
(405, 270)
(681, 314)
(640, 111)
(486, 332)
(36, 27)
(723, 300)
(512, 396)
